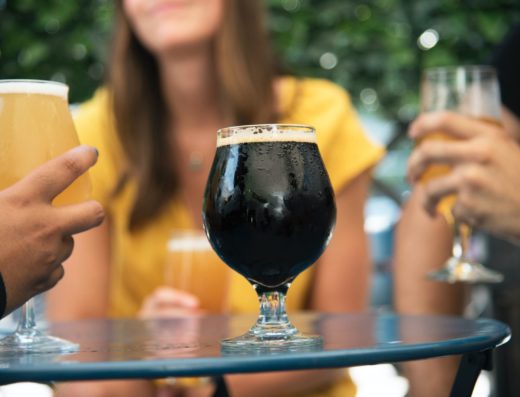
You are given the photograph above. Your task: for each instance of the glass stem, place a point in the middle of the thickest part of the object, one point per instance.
(272, 323)
(27, 323)
(272, 308)
(461, 236)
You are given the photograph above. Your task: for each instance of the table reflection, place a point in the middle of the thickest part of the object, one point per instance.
(189, 346)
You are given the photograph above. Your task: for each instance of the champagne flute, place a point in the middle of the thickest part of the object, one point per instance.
(472, 91)
(269, 212)
(35, 126)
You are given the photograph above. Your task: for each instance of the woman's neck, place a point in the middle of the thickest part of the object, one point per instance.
(190, 88)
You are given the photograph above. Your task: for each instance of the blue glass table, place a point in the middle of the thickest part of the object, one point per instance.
(180, 347)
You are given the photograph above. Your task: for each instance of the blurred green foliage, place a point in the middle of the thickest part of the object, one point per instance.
(370, 47)
(59, 40)
(373, 48)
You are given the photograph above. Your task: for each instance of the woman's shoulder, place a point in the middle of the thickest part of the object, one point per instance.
(95, 126)
(312, 96)
(94, 118)
(325, 87)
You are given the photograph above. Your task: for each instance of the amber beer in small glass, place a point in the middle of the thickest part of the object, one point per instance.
(471, 91)
(193, 266)
(36, 126)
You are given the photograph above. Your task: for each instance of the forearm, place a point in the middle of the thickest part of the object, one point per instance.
(422, 245)
(345, 287)
(343, 272)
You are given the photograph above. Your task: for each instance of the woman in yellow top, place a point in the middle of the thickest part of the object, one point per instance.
(179, 71)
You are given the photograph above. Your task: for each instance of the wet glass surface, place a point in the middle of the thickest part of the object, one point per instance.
(190, 346)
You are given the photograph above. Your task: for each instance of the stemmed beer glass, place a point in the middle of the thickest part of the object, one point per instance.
(472, 91)
(35, 126)
(269, 212)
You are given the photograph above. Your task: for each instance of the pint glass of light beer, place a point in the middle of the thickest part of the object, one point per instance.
(192, 266)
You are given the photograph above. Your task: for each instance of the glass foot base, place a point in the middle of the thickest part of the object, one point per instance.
(467, 271)
(35, 342)
(250, 343)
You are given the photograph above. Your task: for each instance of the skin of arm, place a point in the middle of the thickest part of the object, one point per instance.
(416, 254)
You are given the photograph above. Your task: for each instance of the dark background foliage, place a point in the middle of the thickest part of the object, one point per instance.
(376, 49)
(369, 47)
(373, 45)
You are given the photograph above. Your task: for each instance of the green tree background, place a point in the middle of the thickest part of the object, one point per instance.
(369, 47)
(376, 49)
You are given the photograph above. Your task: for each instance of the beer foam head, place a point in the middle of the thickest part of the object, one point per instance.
(188, 242)
(34, 87)
(265, 133)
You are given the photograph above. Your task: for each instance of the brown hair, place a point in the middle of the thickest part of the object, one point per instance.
(245, 71)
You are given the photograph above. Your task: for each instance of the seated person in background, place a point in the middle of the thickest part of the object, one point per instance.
(485, 178)
(173, 82)
(36, 237)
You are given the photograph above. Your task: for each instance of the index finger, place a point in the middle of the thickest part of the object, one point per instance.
(441, 152)
(456, 125)
(54, 176)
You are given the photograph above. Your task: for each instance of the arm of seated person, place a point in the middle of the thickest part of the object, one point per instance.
(422, 244)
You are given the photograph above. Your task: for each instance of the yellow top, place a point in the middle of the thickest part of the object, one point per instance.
(138, 259)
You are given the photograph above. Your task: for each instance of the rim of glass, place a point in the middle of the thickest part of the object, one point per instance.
(34, 86)
(188, 239)
(268, 128)
(449, 71)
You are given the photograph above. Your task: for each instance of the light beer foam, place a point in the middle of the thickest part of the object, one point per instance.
(257, 136)
(34, 87)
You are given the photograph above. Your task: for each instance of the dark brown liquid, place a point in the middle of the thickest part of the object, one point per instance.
(269, 209)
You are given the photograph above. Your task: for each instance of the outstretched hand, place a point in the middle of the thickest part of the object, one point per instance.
(485, 173)
(36, 237)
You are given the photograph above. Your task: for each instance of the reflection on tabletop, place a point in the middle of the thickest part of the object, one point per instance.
(120, 341)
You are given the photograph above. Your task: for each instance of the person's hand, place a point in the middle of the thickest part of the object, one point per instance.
(169, 302)
(485, 173)
(36, 237)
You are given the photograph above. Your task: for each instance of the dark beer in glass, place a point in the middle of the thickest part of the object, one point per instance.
(269, 213)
